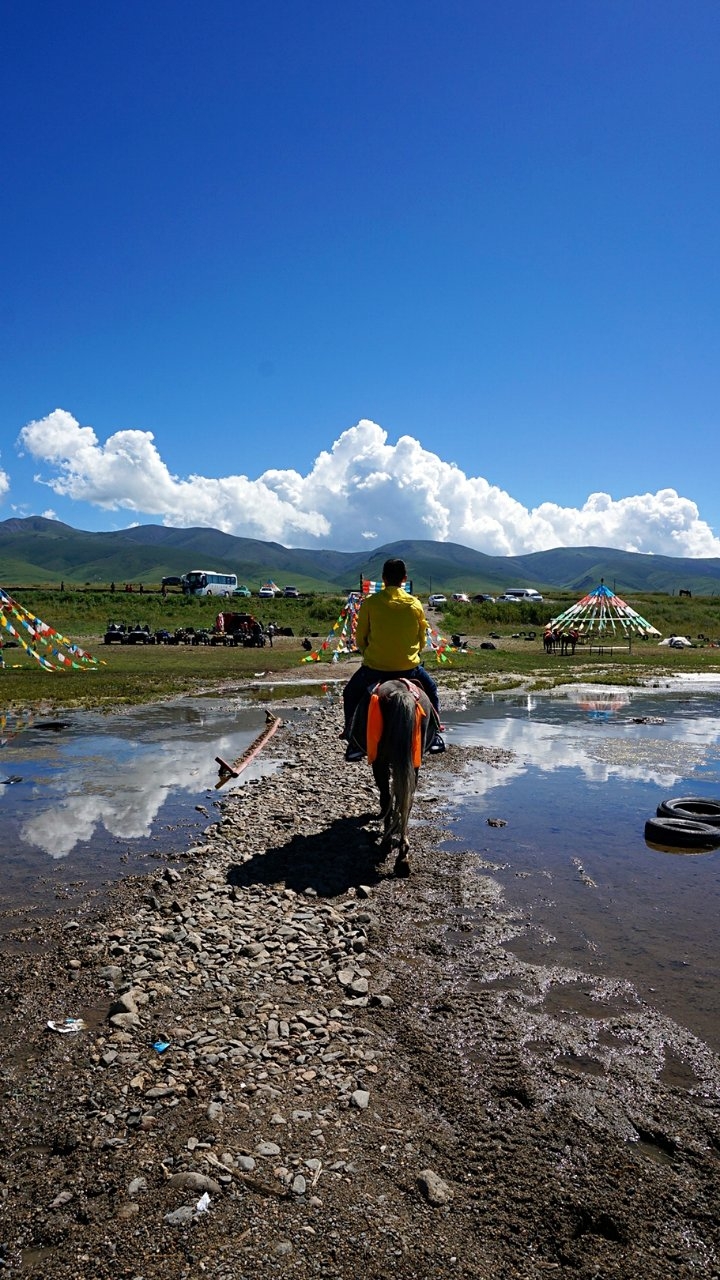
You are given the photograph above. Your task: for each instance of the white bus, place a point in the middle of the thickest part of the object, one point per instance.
(207, 582)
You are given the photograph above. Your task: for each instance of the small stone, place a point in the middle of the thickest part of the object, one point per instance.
(433, 1188)
(180, 1216)
(360, 1099)
(382, 1002)
(267, 1149)
(195, 1181)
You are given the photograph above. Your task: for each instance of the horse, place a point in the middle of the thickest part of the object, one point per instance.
(401, 726)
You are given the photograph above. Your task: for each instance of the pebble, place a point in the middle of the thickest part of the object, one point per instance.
(256, 989)
(434, 1189)
(195, 1181)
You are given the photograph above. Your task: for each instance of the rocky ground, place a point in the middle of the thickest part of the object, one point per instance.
(294, 1064)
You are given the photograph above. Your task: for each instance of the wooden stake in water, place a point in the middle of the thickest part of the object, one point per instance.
(228, 771)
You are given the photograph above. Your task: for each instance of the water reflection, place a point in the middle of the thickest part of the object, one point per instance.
(572, 855)
(662, 741)
(120, 786)
(601, 706)
(114, 776)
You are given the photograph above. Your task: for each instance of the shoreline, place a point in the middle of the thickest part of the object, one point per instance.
(360, 1073)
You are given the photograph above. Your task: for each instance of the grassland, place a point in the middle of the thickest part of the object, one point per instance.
(136, 674)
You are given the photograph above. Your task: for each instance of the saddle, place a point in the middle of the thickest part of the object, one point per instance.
(366, 727)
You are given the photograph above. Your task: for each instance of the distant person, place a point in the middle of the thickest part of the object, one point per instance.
(62, 585)
(163, 591)
(112, 587)
(141, 589)
(391, 632)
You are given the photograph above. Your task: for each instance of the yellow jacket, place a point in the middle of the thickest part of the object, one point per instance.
(391, 630)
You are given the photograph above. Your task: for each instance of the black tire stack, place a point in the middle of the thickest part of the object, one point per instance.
(687, 822)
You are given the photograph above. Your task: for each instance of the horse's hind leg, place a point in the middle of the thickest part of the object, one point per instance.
(382, 782)
(402, 862)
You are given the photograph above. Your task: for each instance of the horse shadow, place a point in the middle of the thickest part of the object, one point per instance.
(330, 862)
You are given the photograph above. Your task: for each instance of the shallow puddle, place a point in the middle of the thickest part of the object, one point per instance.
(91, 797)
(586, 773)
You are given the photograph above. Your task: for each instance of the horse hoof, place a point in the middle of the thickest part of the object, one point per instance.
(385, 847)
(402, 868)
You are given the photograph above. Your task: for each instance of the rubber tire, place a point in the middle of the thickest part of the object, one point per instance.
(694, 808)
(684, 833)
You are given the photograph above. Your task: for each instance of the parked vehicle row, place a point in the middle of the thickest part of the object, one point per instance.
(513, 595)
(436, 601)
(230, 629)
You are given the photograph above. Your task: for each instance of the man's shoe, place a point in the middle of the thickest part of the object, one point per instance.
(437, 746)
(353, 754)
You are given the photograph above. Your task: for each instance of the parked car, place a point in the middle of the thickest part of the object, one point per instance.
(291, 593)
(436, 601)
(115, 633)
(518, 595)
(266, 593)
(482, 598)
(139, 634)
(243, 591)
(460, 597)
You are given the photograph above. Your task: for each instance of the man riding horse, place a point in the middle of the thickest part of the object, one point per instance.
(391, 632)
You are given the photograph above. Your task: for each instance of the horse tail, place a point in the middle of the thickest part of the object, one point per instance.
(397, 750)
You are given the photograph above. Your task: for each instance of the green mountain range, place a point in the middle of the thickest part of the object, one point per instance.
(36, 551)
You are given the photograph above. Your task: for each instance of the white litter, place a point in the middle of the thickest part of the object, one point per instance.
(68, 1025)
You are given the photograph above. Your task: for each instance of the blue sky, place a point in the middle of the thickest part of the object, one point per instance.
(333, 274)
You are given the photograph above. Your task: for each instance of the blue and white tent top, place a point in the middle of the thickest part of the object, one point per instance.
(603, 612)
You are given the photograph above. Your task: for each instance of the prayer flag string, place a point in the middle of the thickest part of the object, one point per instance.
(51, 650)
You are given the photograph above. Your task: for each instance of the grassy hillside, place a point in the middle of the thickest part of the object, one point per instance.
(37, 551)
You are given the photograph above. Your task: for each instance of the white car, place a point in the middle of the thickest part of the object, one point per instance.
(436, 602)
(266, 593)
(460, 597)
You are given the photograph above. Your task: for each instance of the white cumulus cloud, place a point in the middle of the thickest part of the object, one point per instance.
(361, 488)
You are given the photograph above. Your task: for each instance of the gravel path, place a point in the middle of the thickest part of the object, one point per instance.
(295, 1064)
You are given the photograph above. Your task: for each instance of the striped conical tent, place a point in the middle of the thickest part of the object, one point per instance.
(603, 613)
